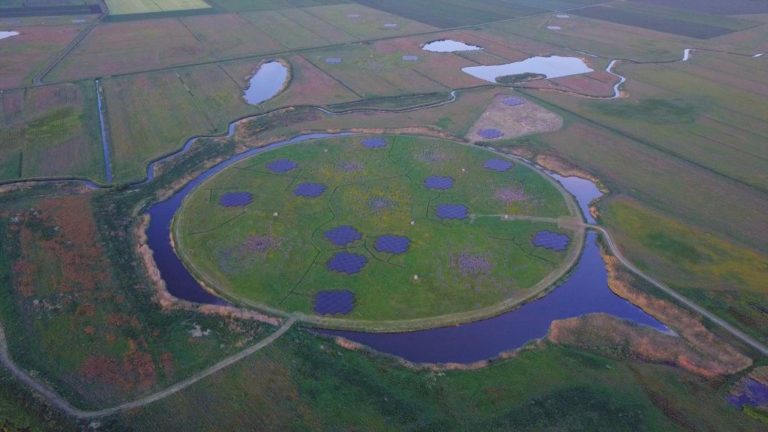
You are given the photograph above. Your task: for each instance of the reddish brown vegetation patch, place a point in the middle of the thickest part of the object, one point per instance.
(469, 264)
(135, 371)
(123, 47)
(58, 230)
(70, 273)
(566, 169)
(259, 244)
(309, 86)
(598, 84)
(613, 336)
(510, 195)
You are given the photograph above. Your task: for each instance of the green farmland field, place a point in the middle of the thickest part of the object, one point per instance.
(127, 7)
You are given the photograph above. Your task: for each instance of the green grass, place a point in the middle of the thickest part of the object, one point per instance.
(373, 74)
(51, 132)
(258, 5)
(728, 278)
(68, 318)
(211, 237)
(154, 114)
(665, 166)
(127, 7)
(305, 383)
(655, 111)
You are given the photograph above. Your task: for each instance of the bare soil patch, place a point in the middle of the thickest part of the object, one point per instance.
(514, 121)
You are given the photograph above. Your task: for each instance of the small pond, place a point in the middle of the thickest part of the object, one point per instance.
(449, 45)
(266, 83)
(7, 34)
(550, 67)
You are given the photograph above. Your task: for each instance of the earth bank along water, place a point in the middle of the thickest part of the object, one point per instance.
(584, 291)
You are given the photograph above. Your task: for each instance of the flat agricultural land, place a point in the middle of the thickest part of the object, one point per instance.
(283, 236)
(50, 131)
(133, 46)
(308, 86)
(653, 22)
(121, 47)
(735, 7)
(47, 8)
(682, 152)
(453, 119)
(157, 112)
(370, 73)
(28, 52)
(127, 7)
(602, 38)
(729, 278)
(255, 5)
(453, 13)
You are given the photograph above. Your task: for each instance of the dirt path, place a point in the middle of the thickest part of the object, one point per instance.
(677, 296)
(59, 402)
(40, 76)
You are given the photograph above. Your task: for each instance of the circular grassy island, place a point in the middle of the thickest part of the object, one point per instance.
(378, 233)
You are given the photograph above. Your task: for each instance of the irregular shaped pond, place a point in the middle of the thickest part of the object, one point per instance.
(550, 67)
(449, 45)
(266, 83)
(585, 191)
(585, 291)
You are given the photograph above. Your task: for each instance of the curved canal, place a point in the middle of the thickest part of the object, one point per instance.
(585, 289)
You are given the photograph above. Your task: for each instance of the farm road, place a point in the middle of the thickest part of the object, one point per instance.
(679, 297)
(59, 402)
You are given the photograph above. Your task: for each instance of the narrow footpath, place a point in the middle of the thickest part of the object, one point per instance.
(59, 402)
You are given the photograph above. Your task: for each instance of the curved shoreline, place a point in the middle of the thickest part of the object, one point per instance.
(538, 290)
(37, 385)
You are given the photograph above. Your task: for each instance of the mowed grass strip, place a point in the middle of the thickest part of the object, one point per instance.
(127, 7)
(273, 251)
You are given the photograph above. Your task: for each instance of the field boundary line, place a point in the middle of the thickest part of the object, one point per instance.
(38, 78)
(302, 49)
(61, 403)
